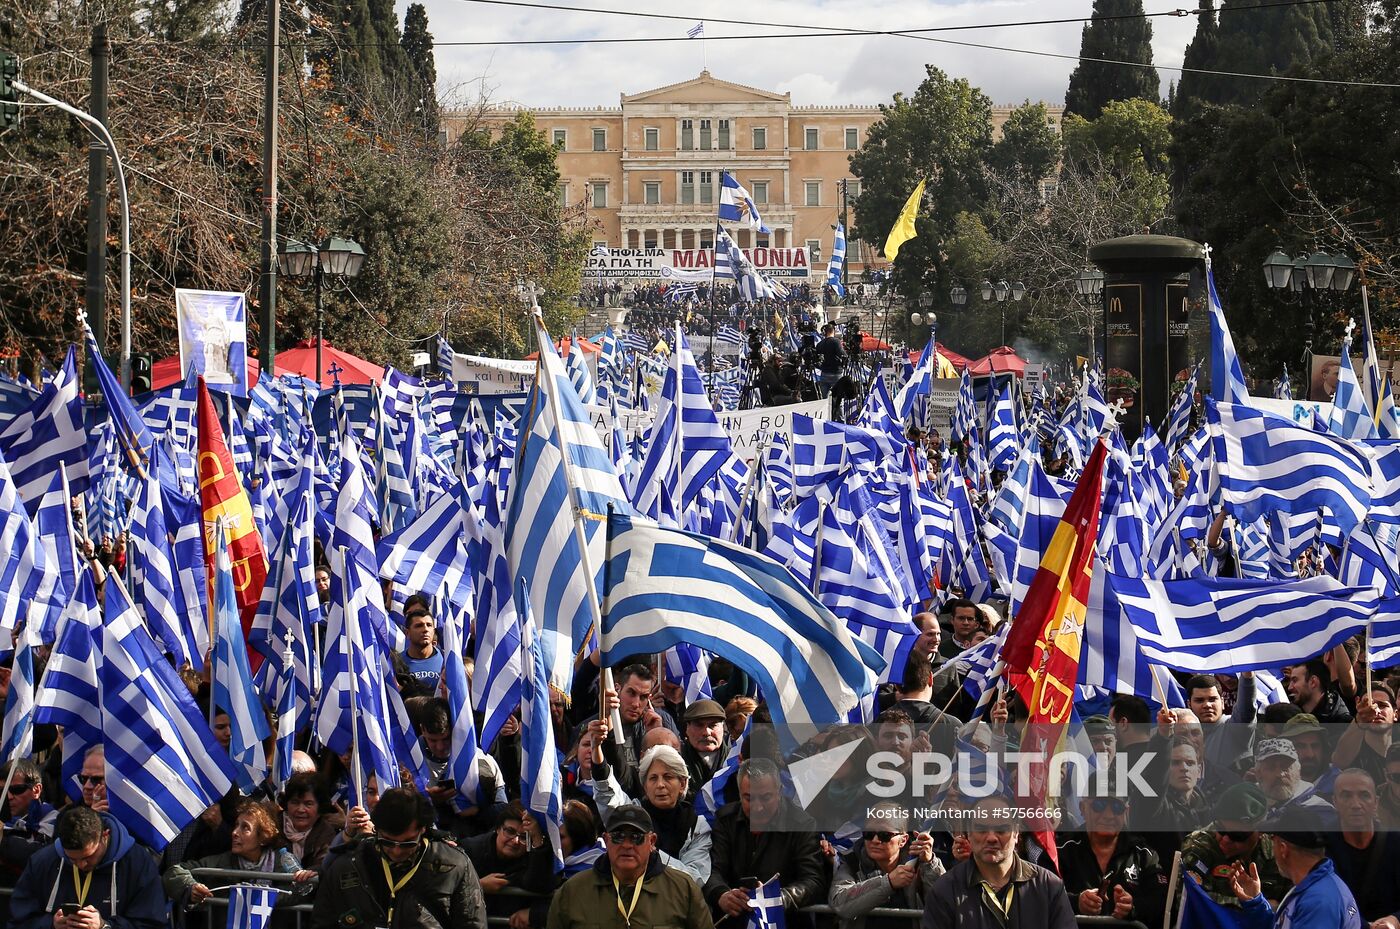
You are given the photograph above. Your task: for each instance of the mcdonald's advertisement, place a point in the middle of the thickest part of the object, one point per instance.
(1123, 343)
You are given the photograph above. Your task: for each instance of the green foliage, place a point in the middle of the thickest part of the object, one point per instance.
(1029, 147)
(1255, 39)
(1200, 54)
(1133, 139)
(1117, 32)
(422, 75)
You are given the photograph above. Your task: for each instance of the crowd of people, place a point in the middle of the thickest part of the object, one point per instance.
(642, 840)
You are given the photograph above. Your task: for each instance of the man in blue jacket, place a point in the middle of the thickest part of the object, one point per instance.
(1319, 899)
(95, 876)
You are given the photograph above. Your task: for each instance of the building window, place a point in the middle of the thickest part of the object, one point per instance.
(724, 135)
(814, 193)
(762, 242)
(562, 191)
(810, 136)
(653, 139)
(851, 141)
(814, 250)
(760, 193)
(760, 138)
(600, 196)
(705, 135)
(687, 135)
(852, 190)
(649, 242)
(600, 140)
(651, 192)
(707, 186)
(560, 137)
(687, 187)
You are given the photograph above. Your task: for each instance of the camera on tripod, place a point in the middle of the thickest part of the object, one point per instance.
(755, 339)
(850, 337)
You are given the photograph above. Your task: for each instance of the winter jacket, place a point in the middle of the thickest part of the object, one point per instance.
(125, 886)
(1134, 867)
(178, 879)
(443, 892)
(682, 838)
(669, 898)
(22, 837)
(859, 886)
(1320, 901)
(790, 849)
(1038, 900)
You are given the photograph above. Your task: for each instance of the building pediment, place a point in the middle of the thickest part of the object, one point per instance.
(706, 89)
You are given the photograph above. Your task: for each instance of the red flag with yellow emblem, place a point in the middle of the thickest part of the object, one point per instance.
(1043, 645)
(221, 494)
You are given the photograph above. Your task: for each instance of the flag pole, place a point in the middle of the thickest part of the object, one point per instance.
(1171, 890)
(817, 548)
(749, 488)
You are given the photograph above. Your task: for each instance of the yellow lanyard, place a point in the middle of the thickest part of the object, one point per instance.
(80, 886)
(394, 888)
(636, 898)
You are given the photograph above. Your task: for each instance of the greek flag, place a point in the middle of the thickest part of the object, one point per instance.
(444, 356)
(687, 667)
(736, 205)
(49, 433)
(233, 679)
(577, 367)
(354, 532)
(429, 555)
(1112, 659)
(1225, 625)
(69, 697)
(1002, 438)
(1226, 377)
(766, 906)
(250, 907)
(695, 31)
(130, 428)
(664, 587)
(463, 756)
(728, 335)
(1179, 416)
(287, 725)
(562, 472)
(1351, 416)
(1283, 388)
(164, 767)
(28, 581)
(153, 574)
(496, 678)
(541, 784)
(709, 798)
(837, 262)
(17, 737)
(1268, 464)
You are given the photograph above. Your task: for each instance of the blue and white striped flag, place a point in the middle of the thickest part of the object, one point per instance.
(577, 366)
(1111, 659)
(496, 675)
(736, 204)
(69, 697)
(1226, 377)
(838, 261)
(49, 433)
(1002, 438)
(766, 906)
(1351, 415)
(429, 555)
(287, 725)
(664, 587)
(444, 357)
(153, 576)
(163, 764)
(696, 31)
(541, 784)
(250, 907)
(1283, 387)
(233, 679)
(687, 667)
(28, 581)
(728, 335)
(1179, 416)
(709, 798)
(1268, 464)
(17, 735)
(464, 754)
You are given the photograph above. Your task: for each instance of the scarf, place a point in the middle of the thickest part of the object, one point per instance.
(297, 839)
(266, 864)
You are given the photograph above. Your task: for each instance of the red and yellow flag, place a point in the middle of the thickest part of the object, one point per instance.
(221, 494)
(1043, 645)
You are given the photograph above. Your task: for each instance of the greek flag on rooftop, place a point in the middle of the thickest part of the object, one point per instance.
(736, 205)
(163, 764)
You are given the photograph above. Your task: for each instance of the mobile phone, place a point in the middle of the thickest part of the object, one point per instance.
(71, 909)
(750, 883)
(446, 782)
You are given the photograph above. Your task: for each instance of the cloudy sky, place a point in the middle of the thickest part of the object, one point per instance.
(829, 70)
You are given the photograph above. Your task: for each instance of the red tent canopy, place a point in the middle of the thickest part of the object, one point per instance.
(1002, 360)
(351, 369)
(564, 346)
(956, 360)
(868, 343)
(167, 371)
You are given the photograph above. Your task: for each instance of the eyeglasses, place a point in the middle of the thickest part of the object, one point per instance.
(92, 780)
(1104, 803)
(1238, 837)
(513, 835)
(17, 789)
(884, 836)
(626, 837)
(391, 844)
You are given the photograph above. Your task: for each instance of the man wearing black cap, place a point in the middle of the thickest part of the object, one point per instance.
(1210, 854)
(706, 744)
(1319, 896)
(629, 885)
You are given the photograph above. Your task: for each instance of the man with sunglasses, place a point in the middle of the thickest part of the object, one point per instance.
(1210, 854)
(629, 885)
(402, 876)
(888, 867)
(1108, 872)
(995, 888)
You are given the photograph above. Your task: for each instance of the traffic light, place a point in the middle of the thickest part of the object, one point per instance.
(9, 94)
(140, 374)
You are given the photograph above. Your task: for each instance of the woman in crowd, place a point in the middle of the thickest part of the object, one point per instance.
(255, 847)
(309, 821)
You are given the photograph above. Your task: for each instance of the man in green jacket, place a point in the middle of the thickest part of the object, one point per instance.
(630, 888)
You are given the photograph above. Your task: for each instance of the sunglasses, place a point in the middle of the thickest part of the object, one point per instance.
(626, 837)
(17, 789)
(1238, 837)
(884, 836)
(1103, 803)
(91, 779)
(391, 844)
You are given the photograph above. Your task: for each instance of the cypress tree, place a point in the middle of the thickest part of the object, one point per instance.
(418, 47)
(1255, 39)
(1196, 87)
(1117, 32)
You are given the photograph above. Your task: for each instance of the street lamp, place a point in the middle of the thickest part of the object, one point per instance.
(528, 291)
(1089, 284)
(958, 295)
(1309, 275)
(339, 258)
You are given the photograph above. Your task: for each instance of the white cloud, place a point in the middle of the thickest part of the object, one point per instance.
(815, 70)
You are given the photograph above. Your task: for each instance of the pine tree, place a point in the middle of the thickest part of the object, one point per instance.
(1254, 39)
(1117, 32)
(418, 46)
(1196, 87)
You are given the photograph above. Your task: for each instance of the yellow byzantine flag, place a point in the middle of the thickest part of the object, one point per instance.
(904, 229)
(1043, 644)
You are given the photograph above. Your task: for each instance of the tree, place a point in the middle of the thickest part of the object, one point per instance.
(942, 133)
(1264, 39)
(1029, 147)
(418, 47)
(1195, 86)
(1117, 32)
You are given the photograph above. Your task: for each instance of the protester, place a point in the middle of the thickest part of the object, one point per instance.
(255, 848)
(890, 866)
(1319, 896)
(706, 743)
(309, 822)
(682, 836)
(1233, 838)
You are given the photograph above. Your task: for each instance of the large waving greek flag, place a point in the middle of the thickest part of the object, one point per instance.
(736, 204)
(664, 587)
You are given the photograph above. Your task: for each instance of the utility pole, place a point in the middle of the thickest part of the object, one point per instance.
(267, 294)
(96, 290)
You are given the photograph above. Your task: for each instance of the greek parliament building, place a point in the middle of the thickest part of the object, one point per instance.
(648, 169)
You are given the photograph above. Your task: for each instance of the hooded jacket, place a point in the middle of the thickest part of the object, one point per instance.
(125, 886)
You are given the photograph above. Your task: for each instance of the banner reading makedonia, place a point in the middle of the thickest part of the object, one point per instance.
(626, 263)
